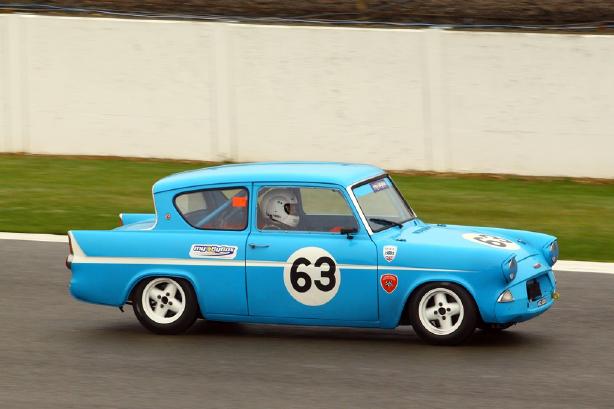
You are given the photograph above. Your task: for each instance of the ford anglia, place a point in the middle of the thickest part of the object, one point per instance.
(329, 244)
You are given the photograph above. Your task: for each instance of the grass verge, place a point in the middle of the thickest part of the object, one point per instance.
(45, 194)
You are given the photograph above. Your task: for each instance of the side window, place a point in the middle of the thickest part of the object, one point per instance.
(304, 209)
(214, 209)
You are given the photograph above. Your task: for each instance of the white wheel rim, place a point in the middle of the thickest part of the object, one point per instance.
(441, 311)
(163, 300)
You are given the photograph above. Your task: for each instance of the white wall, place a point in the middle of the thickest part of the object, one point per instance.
(539, 104)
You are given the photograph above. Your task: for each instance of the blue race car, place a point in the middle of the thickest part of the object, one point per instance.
(309, 244)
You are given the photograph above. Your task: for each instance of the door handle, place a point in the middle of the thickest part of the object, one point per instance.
(256, 245)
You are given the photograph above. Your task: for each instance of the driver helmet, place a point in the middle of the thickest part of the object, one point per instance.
(281, 206)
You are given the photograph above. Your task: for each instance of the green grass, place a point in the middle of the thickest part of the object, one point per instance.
(52, 195)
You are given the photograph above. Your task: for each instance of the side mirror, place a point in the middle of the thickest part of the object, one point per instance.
(349, 232)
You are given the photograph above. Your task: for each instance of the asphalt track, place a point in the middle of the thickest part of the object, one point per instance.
(56, 352)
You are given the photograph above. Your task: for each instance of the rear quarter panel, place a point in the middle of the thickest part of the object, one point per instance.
(108, 264)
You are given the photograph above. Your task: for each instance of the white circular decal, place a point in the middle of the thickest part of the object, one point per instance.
(312, 276)
(491, 241)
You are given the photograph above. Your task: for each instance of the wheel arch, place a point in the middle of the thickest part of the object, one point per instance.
(403, 314)
(158, 272)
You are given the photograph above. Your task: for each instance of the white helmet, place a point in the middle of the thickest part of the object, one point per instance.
(281, 205)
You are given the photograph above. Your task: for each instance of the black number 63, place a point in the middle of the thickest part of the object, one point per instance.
(329, 274)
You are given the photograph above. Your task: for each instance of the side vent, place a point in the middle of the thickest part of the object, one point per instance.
(421, 229)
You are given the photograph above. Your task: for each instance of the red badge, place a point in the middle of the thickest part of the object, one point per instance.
(389, 282)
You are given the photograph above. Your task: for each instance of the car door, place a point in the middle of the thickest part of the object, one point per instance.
(308, 266)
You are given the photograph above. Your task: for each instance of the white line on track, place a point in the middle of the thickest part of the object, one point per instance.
(584, 267)
(55, 238)
(561, 265)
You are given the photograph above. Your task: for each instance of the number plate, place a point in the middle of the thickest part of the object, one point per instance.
(533, 290)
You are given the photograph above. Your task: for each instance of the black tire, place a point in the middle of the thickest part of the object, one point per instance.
(461, 324)
(173, 322)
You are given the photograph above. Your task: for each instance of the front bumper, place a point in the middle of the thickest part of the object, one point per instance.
(524, 308)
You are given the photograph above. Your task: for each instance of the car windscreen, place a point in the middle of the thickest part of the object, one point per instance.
(382, 204)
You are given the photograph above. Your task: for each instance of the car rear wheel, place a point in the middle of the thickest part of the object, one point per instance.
(443, 313)
(165, 305)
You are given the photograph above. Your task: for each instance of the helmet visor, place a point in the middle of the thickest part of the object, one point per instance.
(291, 209)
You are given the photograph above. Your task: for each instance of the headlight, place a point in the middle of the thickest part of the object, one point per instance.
(510, 268)
(551, 252)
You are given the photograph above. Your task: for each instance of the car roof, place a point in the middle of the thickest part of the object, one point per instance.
(343, 174)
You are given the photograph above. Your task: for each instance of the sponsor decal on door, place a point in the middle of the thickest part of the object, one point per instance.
(213, 251)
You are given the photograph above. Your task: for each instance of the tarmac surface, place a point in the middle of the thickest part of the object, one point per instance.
(56, 352)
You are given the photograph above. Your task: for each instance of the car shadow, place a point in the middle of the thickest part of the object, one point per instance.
(403, 334)
(239, 331)
(504, 339)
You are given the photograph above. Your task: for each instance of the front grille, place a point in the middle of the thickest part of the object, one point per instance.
(533, 290)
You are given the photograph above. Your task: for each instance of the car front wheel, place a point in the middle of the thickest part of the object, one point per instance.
(443, 313)
(165, 305)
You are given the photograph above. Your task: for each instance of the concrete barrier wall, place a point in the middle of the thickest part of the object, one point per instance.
(536, 104)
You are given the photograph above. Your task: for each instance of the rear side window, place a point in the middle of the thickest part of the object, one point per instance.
(214, 209)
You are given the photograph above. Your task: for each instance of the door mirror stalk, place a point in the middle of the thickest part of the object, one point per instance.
(349, 232)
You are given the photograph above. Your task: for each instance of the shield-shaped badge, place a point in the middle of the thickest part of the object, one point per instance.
(389, 282)
(390, 252)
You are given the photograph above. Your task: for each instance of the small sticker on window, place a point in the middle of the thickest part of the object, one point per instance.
(239, 201)
(379, 185)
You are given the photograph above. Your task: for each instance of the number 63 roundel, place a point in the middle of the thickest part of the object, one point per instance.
(492, 241)
(311, 276)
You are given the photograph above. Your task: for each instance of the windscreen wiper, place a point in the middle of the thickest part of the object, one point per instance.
(385, 222)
